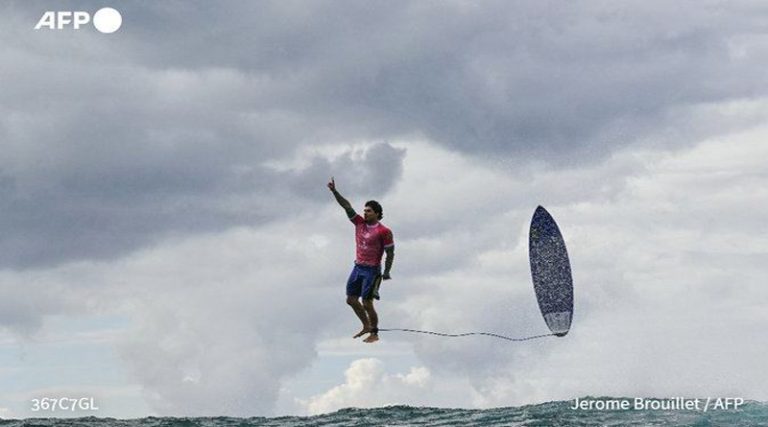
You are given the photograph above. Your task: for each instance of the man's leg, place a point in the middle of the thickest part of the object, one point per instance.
(353, 302)
(373, 319)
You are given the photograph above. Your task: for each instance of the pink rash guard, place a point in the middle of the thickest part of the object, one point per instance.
(371, 241)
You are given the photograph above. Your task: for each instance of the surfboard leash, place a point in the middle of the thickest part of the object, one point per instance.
(465, 334)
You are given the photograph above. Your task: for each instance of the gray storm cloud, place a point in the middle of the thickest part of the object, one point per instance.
(545, 78)
(110, 143)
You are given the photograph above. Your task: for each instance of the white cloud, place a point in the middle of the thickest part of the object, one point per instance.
(221, 320)
(216, 320)
(367, 384)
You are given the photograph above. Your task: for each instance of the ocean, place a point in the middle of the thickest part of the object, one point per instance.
(750, 413)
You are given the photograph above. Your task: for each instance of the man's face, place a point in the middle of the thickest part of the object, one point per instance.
(369, 215)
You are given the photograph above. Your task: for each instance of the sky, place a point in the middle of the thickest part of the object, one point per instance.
(168, 245)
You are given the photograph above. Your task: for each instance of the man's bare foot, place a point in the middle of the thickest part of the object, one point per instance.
(363, 332)
(371, 338)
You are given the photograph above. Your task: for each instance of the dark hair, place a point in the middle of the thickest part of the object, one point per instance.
(373, 204)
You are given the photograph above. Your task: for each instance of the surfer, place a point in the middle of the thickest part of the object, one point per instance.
(373, 239)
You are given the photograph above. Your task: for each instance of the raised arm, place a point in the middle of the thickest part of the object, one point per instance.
(342, 201)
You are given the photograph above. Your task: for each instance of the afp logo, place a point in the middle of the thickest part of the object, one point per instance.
(106, 20)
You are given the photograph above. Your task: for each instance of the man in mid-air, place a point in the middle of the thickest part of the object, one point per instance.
(373, 239)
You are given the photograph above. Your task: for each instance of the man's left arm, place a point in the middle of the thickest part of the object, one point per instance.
(390, 251)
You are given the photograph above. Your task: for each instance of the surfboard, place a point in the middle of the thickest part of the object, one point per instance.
(551, 272)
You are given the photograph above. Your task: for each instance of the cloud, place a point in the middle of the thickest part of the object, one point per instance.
(367, 384)
(116, 156)
(666, 254)
(233, 308)
(112, 144)
(369, 169)
(219, 338)
(561, 82)
(27, 298)
(99, 212)
(216, 321)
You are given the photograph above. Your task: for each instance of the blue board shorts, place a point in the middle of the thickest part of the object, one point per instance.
(364, 281)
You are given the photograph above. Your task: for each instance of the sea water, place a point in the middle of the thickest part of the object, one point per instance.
(749, 413)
